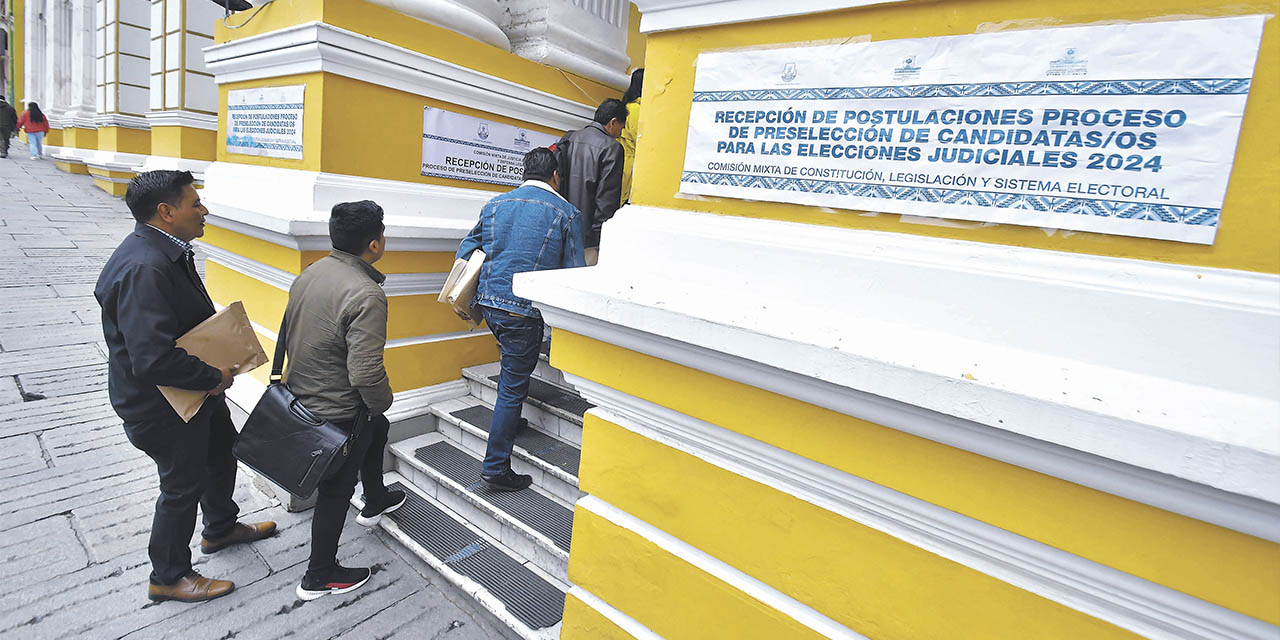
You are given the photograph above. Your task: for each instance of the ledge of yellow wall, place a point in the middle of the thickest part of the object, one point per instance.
(869, 581)
(53, 138)
(295, 261)
(581, 622)
(124, 140)
(114, 188)
(1249, 231)
(420, 365)
(74, 168)
(669, 596)
(184, 142)
(1219, 565)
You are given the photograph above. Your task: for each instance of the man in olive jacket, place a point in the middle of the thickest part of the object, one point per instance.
(337, 330)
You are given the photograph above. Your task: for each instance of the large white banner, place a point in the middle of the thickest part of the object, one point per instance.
(266, 121)
(1121, 129)
(467, 148)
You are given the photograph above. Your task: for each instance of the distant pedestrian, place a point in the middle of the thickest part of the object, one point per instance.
(8, 125)
(630, 131)
(336, 322)
(593, 179)
(150, 295)
(528, 229)
(34, 122)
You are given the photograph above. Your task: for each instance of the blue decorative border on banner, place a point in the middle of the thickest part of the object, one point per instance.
(1188, 86)
(431, 136)
(1172, 214)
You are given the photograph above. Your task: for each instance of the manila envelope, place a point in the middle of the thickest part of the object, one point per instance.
(224, 339)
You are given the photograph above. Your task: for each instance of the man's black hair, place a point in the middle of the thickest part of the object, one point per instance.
(147, 190)
(540, 164)
(353, 225)
(610, 109)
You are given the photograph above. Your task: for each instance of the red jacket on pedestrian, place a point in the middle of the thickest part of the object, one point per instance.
(25, 124)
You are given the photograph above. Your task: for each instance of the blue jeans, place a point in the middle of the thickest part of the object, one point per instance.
(519, 338)
(36, 142)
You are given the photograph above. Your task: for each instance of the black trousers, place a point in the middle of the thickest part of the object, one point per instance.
(196, 467)
(334, 493)
(4, 141)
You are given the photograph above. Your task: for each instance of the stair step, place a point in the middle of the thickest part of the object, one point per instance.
(531, 602)
(554, 409)
(540, 445)
(533, 525)
(552, 463)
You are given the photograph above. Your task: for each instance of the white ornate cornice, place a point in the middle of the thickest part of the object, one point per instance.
(668, 15)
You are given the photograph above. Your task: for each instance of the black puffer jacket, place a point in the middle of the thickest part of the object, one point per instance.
(594, 178)
(8, 117)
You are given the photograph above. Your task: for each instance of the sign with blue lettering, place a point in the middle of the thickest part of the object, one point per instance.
(266, 121)
(464, 147)
(1122, 129)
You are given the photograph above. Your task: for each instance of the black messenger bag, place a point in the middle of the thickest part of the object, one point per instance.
(288, 444)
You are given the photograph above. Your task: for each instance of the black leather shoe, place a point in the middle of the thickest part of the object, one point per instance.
(508, 481)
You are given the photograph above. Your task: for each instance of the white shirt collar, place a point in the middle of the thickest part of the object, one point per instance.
(542, 185)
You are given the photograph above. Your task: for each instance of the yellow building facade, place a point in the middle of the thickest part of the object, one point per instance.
(794, 421)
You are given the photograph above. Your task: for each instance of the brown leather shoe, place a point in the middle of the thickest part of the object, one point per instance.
(240, 534)
(193, 587)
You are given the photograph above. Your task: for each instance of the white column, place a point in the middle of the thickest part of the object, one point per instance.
(477, 19)
(122, 52)
(57, 71)
(585, 37)
(80, 105)
(34, 54)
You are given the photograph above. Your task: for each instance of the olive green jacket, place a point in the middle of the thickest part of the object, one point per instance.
(337, 331)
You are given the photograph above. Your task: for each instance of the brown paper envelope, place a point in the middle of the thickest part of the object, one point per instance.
(224, 339)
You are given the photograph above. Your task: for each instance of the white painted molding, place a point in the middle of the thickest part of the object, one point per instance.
(396, 284)
(667, 15)
(405, 405)
(439, 337)
(588, 39)
(1143, 607)
(315, 47)
(1168, 368)
(291, 208)
(753, 588)
(180, 118)
(476, 19)
(120, 120)
(624, 621)
(196, 167)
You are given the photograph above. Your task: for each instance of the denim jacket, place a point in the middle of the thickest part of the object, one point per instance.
(528, 229)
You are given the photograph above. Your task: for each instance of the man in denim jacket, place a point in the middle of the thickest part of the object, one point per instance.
(528, 229)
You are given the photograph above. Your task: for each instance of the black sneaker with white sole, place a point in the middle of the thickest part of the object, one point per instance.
(374, 508)
(508, 481)
(339, 579)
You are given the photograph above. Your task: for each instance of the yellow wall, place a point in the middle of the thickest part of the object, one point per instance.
(1225, 567)
(124, 140)
(17, 50)
(581, 622)
(312, 119)
(1249, 236)
(184, 142)
(635, 39)
(863, 579)
(79, 138)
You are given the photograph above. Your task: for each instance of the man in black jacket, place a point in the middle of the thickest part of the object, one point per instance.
(593, 179)
(151, 295)
(8, 124)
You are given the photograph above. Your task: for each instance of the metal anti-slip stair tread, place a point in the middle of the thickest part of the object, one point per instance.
(538, 444)
(552, 395)
(535, 510)
(531, 599)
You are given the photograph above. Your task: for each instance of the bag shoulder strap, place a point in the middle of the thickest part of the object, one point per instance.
(277, 362)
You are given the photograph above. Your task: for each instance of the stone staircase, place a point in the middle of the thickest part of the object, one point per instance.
(510, 551)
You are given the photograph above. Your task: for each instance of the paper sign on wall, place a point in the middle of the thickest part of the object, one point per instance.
(1121, 129)
(467, 148)
(266, 121)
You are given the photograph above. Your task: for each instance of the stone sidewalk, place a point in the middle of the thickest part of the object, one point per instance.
(76, 499)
